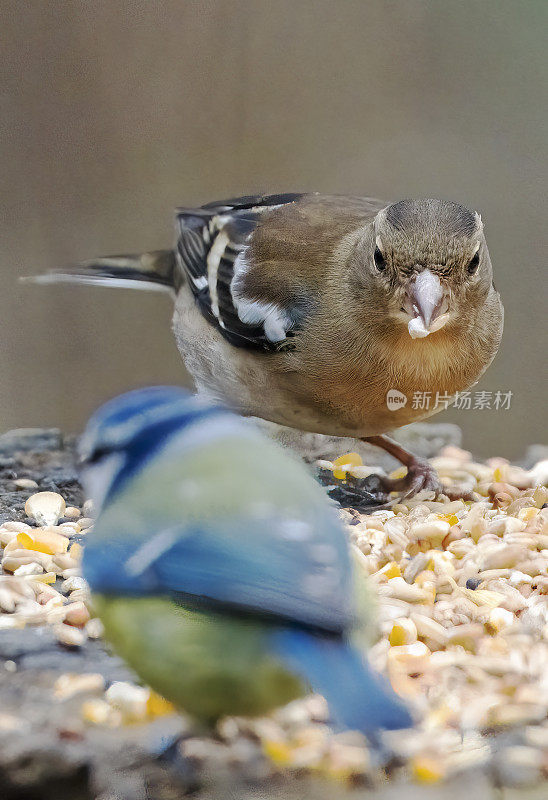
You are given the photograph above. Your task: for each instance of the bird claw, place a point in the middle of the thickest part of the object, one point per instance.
(421, 476)
(168, 752)
(372, 493)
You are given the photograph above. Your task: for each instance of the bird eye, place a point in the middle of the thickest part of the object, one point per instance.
(380, 263)
(95, 456)
(474, 263)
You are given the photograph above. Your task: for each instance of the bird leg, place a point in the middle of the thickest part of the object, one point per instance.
(420, 474)
(168, 754)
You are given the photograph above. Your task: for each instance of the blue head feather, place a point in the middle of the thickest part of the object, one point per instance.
(117, 422)
(136, 424)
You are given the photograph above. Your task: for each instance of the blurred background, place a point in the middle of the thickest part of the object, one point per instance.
(116, 111)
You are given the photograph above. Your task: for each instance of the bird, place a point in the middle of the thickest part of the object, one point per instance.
(311, 310)
(219, 568)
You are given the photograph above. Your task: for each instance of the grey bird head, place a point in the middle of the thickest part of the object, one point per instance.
(428, 264)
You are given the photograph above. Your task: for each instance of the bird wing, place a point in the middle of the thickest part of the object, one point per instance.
(211, 247)
(283, 563)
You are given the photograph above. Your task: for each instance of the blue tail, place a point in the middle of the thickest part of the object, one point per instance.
(358, 698)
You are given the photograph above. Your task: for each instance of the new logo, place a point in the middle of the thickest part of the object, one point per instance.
(395, 399)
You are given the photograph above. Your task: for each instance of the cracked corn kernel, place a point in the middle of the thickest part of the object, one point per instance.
(390, 570)
(426, 576)
(343, 462)
(501, 473)
(527, 513)
(426, 769)
(426, 581)
(278, 752)
(158, 706)
(404, 631)
(499, 618)
(451, 519)
(43, 541)
(408, 658)
(45, 577)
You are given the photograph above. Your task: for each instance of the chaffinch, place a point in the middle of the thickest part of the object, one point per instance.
(220, 571)
(308, 309)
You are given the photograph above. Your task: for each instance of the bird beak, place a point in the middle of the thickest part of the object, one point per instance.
(426, 302)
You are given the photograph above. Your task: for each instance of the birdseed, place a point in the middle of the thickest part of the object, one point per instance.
(462, 603)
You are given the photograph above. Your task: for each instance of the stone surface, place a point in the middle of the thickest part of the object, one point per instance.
(38, 648)
(51, 466)
(30, 439)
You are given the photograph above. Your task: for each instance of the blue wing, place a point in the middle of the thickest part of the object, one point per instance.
(260, 538)
(280, 567)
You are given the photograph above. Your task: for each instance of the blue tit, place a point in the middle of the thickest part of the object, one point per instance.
(218, 566)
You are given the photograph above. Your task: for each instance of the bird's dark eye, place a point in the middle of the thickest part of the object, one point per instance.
(95, 455)
(380, 263)
(474, 263)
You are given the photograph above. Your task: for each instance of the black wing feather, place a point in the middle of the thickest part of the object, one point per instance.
(198, 228)
(252, 201)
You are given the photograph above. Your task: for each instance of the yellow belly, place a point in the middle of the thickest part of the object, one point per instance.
(208, 665)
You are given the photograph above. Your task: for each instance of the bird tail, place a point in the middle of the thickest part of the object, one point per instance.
(357, 697)
(154, 270)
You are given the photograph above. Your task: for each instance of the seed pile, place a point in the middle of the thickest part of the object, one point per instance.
(462, 602)
(40, 582)
(462, 593)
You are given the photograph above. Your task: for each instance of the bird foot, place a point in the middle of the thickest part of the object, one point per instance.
(421, 476)
(373, 493)
(169, 754)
